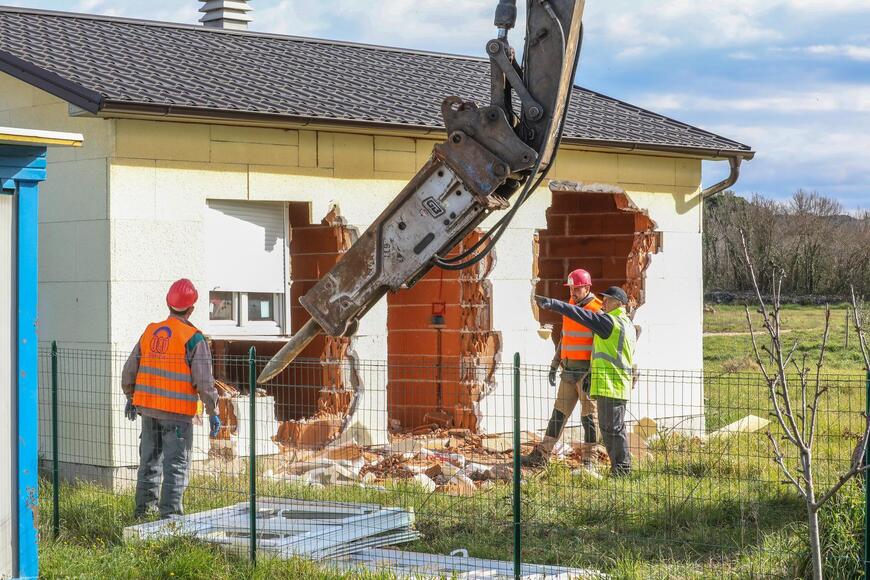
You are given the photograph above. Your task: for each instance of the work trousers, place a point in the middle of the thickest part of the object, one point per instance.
(611, 419)
(165, 449)
(573, 387)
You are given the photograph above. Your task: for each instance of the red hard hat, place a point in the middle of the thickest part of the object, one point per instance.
(579, 277)
(182, 295)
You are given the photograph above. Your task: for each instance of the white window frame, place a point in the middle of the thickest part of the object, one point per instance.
(240, 326)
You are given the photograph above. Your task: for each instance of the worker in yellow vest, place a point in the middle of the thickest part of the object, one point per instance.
(612, 367)
(573, 355)
(165, 377)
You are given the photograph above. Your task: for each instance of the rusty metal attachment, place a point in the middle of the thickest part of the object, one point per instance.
(491, 154)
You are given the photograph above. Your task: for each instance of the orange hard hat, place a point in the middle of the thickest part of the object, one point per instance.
(182, 295)
(579, 277)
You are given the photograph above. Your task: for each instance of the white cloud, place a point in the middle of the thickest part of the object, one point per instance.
(852, 51)
(826, 99)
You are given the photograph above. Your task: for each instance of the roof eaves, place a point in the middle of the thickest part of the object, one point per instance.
(702, 152)
(50, 82)
(163, 110)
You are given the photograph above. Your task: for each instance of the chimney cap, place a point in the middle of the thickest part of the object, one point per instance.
(230, 14)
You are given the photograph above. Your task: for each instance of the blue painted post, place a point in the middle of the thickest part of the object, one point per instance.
(28, 400)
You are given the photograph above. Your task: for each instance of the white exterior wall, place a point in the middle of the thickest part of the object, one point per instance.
(671, 318)
(73, 265)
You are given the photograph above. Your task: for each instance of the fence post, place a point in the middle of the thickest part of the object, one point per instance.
(252, 458)
(867, 484)
(518, 562)
(55, 462)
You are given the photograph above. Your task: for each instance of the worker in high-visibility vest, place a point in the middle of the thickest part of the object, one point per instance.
(165, 377)
(573, 355)
(612, 366)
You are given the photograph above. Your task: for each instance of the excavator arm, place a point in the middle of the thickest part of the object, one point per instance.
(493, 159)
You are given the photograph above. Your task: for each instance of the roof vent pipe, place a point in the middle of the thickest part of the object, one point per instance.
(228, 14)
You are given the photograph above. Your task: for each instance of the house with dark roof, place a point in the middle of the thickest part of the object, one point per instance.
(249, 162)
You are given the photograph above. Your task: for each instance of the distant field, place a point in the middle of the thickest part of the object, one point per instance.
(805, 324)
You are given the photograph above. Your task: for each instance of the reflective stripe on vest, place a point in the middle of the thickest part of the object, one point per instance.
(612, 359)
(164, 381)
(576, 338)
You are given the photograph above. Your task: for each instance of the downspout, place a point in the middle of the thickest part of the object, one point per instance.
(717, 188)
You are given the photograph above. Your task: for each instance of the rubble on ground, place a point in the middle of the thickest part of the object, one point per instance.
(445, 459)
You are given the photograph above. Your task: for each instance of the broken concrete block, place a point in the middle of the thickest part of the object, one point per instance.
(460, 485)
(454, 458)
(646, 428)
(748, 424)
(497, 444)
(346, 452)
(407, 445)
(425, 482)
(369, 478)
(460, 433)
(449, 470)
(638, 447)
(501, 472)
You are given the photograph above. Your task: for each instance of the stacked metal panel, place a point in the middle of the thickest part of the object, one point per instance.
(287, 527)
(419, 565)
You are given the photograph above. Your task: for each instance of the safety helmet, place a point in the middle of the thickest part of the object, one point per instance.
(579, 277)
(182, 295)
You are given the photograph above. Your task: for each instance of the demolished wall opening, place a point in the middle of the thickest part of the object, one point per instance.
(442, 350)
(597, 228)
(315, 396)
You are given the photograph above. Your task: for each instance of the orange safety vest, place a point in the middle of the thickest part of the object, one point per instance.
(576, 338)
(164, 381)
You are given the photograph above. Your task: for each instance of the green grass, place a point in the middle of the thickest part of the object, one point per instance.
(714, 509)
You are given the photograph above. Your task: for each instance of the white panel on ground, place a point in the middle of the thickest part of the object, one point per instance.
(246, 249)
(418, 565)
(286, 527)
(8, 479)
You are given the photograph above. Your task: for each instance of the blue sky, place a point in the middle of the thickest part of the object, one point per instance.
(791, 78)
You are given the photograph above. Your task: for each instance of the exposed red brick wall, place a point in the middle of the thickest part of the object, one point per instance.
(600, 231)
(317, 388)
(440, 373)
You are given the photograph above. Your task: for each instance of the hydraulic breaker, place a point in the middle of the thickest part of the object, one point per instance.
(493, 159)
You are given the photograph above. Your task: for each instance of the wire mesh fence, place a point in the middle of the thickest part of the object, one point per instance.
(412, 468)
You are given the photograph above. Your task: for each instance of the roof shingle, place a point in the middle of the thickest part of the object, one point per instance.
(102, 61)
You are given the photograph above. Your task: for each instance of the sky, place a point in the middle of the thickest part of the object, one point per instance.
(791, 78)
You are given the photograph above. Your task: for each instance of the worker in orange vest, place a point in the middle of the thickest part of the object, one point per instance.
(573, 355)
(166, 375)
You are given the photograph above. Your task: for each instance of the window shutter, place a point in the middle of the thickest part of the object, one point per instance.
(246, 250)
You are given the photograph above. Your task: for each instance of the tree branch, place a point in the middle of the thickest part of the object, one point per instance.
(855, 470)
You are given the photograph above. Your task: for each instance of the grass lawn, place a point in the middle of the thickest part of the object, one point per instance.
(697, 509)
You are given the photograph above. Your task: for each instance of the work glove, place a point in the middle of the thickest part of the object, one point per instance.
(214, 423)
(130, 410)
(543, 301)
(552, 376)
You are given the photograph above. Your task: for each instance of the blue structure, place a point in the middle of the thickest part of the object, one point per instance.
(22, 168)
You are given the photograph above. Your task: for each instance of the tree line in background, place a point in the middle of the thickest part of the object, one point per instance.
(822, 249)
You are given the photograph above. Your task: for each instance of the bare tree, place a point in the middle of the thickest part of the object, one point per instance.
(795, 391)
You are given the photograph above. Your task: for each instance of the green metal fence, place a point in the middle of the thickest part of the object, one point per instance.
(704, 497)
